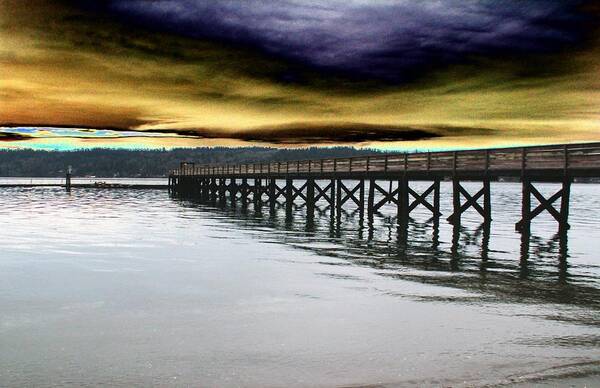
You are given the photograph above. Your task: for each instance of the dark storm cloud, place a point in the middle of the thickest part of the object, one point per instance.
(314, 133)
(290, 134)
(9, 137)
(388, 39)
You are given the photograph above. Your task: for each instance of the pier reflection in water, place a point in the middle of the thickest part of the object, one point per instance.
(534, 266)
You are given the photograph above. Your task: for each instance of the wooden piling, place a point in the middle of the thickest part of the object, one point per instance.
(524, 224)
(338, 198)
(487, 201)
(310, 198)
(564, 205)
(403, 212)
(361, 200)
(244, 192)
(455, 217)
(289, 199)
(371, 200)
(68, 179)
(233, 190)
(272, 198)
(436, 200)
(332, 200)
(257, 192)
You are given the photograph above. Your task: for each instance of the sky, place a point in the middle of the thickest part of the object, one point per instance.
(399, 74)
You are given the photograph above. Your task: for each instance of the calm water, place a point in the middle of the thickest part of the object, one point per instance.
(134, 288)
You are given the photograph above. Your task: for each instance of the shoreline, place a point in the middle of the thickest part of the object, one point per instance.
(85, 186)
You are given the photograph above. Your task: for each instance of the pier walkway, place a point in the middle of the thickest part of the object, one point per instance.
(370, 182)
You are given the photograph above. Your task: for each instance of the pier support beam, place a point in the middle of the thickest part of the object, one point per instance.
(222, 190)
(275, 192)
(271, 192)
(403, 205)
(561, 215)
(289, 202)
(213, 189)
(471, 201)
(421, 199)
(204, 188)
(233, 191)
(257, 193)
(243, 188)
(356, 195)
(310, 199)
(327, 193)
(401, 197)
(389, 196)
(292, 192)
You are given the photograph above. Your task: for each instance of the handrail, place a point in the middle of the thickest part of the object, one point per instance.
(558, 156)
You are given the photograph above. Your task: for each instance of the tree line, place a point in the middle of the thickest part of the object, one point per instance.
(150, 163)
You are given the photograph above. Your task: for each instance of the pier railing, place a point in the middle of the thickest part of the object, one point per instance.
(572, 159)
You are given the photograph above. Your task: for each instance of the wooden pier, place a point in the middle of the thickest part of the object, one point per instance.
(370, 182)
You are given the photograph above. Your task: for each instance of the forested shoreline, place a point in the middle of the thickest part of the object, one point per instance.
(149, 163)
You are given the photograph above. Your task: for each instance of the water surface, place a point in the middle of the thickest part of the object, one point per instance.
(135, 288)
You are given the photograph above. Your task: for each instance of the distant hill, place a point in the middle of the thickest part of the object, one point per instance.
(152, 163)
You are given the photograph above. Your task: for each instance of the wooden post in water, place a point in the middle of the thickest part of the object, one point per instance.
(233, 191)
(289, 198)
(523, 225)
(222, 190)
(403, 202)
(338, 199)
(310, 198)
(487, 201)
(455, 217)
(244, 192)
(361, 200)
(257, 193)
(204, 186)
(436, 201)
(68, 178)
(272, 199)
(332, 200)
(564, 205)
(371, 200)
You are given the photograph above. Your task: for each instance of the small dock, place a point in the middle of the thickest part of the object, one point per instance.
(370, 182)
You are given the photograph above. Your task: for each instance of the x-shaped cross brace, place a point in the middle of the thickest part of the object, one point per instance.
(387, 197)
(421, 199)
(297, 192)
(545, 204)
(471, 202)
(279, 191)
(349, 194)
(322, 192)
